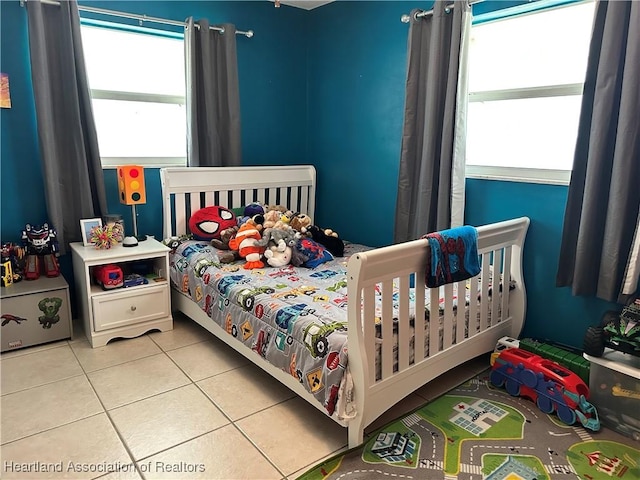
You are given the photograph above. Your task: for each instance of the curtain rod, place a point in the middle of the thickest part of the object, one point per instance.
(406, 18)
(140, 18)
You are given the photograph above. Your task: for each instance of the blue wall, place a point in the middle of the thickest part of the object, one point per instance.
(356, 72)
(273, 102)
(324, 87)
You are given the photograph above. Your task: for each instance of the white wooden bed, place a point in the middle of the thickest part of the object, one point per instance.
(500, 245)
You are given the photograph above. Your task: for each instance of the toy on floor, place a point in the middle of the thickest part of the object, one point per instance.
(618, 331)
(42, 251)
(550, 385)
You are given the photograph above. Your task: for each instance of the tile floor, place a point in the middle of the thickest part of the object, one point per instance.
(177, 404)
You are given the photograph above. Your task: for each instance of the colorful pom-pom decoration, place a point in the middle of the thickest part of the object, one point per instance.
(105, 237)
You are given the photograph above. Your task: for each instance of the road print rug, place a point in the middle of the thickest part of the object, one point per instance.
(477, 431)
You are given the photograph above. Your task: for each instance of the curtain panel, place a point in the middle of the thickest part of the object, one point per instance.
(431, 176)
(603, 207)
(72, 171)
(213, 95)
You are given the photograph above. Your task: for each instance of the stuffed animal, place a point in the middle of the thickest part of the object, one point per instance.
(271, 217)
(308, 253)
(176, 241)
(300, 222)
(227, 254)
(277, 235)
(287, 216)
(208, 222)
(328, 238)
(278, 256)
(245, 242)
(277, 208)
(250, 211)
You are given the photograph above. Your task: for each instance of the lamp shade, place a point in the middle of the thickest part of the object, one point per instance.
(131, 188)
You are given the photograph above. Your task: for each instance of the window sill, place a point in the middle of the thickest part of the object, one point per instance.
(147, 162)
(523, 175)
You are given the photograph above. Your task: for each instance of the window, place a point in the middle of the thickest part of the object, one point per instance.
(137, 83)
(526, 75)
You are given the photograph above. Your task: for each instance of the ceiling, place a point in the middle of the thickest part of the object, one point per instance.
(306, 4)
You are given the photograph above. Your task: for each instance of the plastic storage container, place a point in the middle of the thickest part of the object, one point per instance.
(614, 381)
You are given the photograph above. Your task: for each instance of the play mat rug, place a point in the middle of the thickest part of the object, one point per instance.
(477, 431)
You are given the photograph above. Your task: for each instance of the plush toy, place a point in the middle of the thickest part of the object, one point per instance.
(254, 208)
(328, 238)
(176, 241)
(250, 211)
(287, 216)
(226, 254)
(208, 222)
(278, 256)
(245, 242)
(276, 235)
(300, 222)
(308, 253)
(277, 208)
(271, 217)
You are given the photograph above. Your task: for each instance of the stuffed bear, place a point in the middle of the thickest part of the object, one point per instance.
(327, 238)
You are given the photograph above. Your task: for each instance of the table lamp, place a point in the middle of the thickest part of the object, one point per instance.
(131, 189)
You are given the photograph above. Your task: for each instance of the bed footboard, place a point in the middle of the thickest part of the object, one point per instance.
(462, 334)
(455, 339)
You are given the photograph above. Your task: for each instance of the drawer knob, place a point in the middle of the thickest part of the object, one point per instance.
(133, 308)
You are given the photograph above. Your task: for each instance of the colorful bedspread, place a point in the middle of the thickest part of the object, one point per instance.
(295, 318)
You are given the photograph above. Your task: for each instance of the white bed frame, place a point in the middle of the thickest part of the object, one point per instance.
(186, 190)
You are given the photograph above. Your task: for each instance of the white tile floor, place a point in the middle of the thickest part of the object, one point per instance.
(177, 404)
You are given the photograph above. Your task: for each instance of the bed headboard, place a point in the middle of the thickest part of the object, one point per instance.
(186, 190)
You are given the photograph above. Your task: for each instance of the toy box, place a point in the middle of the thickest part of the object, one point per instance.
(34, 312)
(614, 381)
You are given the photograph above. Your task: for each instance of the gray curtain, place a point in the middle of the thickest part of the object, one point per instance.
(72, 171)
(601, 215)
(426, 164)
(213, 96)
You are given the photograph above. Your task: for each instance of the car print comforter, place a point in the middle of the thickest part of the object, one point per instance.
(293, 317)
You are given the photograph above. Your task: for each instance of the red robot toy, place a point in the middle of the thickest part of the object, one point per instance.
(41, 245)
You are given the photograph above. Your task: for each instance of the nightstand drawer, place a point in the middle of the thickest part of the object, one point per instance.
(128, 307)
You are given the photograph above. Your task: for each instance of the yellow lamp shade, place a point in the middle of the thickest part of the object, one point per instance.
(131, 188)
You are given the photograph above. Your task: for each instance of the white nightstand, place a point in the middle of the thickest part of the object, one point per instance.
(123, 312)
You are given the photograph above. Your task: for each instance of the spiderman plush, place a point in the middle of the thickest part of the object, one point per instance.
(42, 250)
(208, 222)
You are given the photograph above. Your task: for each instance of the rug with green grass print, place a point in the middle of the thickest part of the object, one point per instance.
(477, 431)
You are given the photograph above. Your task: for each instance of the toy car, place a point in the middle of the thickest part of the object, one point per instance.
(134, 279)
(108, 276)
(618, 331)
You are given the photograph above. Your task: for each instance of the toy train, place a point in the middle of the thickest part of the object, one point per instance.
(559, 354)
(553, 387)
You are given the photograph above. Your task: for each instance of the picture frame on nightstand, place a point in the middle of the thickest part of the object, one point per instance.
(85, 228)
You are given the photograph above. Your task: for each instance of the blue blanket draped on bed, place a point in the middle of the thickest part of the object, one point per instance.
(453, 256)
